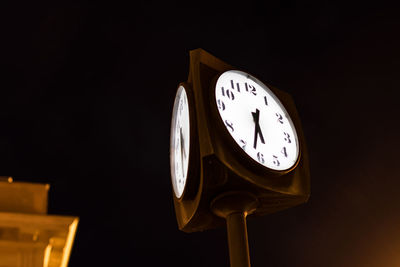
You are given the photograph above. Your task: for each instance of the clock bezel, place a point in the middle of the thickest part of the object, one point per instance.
(192, 175)
(239, 157)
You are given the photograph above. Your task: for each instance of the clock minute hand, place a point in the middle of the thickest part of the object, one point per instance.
(255, 118)
(183, 153)
(182, 143)
(257, 129)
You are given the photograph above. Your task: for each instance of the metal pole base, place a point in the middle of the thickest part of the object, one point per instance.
(234, 207)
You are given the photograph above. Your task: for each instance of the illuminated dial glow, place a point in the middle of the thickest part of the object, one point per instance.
(179, 144)
(256, 120)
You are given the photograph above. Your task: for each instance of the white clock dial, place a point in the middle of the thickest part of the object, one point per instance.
(179, 144)
(256, 120)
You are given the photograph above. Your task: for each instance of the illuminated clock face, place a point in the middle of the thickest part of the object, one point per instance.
(179, 144)
(256, 120)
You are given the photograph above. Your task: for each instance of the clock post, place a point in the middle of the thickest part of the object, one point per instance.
(234, 207)
(237, 150)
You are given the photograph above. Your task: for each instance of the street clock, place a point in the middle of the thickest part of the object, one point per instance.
(236, 138)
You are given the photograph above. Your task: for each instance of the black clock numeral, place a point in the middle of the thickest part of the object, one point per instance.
(280, 118)
(233, 86)
(284, 152)
(266, 100)
(181, 106)
(287, 137)
(275, 160)
(250, 88)
(228, 93)
(253, 90)
(243, 144)
(229, 125)
(221, 104)
(260, 157)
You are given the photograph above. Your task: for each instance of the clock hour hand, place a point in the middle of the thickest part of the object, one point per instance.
(183, 153)
(182, 143)
(257, 129)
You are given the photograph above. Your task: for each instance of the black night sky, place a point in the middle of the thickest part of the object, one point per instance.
(86, 99)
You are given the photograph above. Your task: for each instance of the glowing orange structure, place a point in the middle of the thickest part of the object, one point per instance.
(28, 236)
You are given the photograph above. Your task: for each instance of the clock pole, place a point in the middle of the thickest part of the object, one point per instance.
(234, 207)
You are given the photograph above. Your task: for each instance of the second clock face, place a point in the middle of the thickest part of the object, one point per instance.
(180, 142)
(256, 120)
